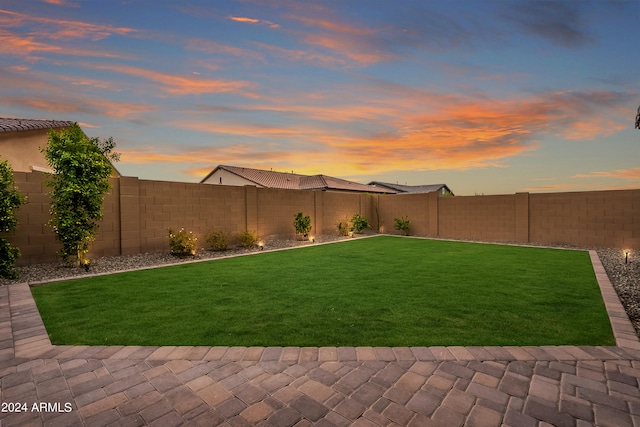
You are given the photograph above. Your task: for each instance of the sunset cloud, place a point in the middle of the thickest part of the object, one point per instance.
(50, 28)
(76, 105)
(426, 131)
(60, 3)
(496, 95)
(630, 174)
(181, 85)
(12, 44)
(213, 47)
(246, 20)
(306, 56)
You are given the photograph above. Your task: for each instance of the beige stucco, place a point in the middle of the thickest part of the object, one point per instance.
(22, 149)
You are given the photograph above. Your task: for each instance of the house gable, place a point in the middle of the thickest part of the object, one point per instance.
(234, 175)
(21, 140)
(442, 189)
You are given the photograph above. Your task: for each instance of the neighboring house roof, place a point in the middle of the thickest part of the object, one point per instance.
(292, 181)
(413, 188)
(16, 125)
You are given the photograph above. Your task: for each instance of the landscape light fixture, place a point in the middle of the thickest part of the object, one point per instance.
(312, 239)
(626, 257)
(261, 245)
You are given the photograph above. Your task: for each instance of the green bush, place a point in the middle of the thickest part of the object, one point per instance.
(182, 243)
(247, 239)
(302, 223)
(403, 224)
(217, 240)
(359, 224)
(10, 199)
(8, 256)
(344, 227)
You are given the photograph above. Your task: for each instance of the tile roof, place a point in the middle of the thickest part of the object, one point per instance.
(292, 181)
(266, 178)
(16, 125)
(411, 188)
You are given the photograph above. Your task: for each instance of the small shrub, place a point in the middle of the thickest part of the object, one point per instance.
(217, 240)
(182, 243)
(247, 239)
(344, 227)
(359, 224)
(10, 200)
(8, 256)
(302, 224)
(403, 224)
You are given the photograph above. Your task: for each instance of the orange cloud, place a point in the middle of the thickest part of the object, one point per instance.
(49, 28)
(242, 19)
(355, 50)
(181, 85)
(211, 46)
(332, 25)
(12, 44)
(60, 3)
(246, 20)
(76, 105)
(553, 188)
(578, 187)
(296, 55)
(415, 131)
(593, 128)
(630, 174)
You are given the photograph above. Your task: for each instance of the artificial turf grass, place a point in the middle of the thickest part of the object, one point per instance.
(381, 291)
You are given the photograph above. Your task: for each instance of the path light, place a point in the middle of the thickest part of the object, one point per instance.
(626, 256)
(312, 239)
(261, 244)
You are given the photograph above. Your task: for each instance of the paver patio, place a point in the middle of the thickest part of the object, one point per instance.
(363, 386)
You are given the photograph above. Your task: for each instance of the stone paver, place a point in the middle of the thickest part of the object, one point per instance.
(42, 384)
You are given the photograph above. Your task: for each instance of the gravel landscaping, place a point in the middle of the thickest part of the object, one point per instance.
(625, 277)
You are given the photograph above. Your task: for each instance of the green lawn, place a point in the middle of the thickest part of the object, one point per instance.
(380, 291)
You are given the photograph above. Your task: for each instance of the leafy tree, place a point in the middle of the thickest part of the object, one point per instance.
(638, 119)
(10, 200)
(82, 167)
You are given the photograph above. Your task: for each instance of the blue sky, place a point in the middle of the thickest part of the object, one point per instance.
(489, 97)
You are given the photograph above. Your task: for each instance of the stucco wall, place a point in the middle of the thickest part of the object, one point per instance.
(22, 149)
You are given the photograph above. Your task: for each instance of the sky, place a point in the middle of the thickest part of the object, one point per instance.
(488, 97)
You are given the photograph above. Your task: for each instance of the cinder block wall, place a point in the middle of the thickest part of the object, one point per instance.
(413, 206)
(276, 209)
(489, 218)
(338, 206)
(138, 213)
(592, 218)
(36, 239)
(199, 208)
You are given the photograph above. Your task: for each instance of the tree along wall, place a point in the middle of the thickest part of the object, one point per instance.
(138, 213)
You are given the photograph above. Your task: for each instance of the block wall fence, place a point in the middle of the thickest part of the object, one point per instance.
(137, 214)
